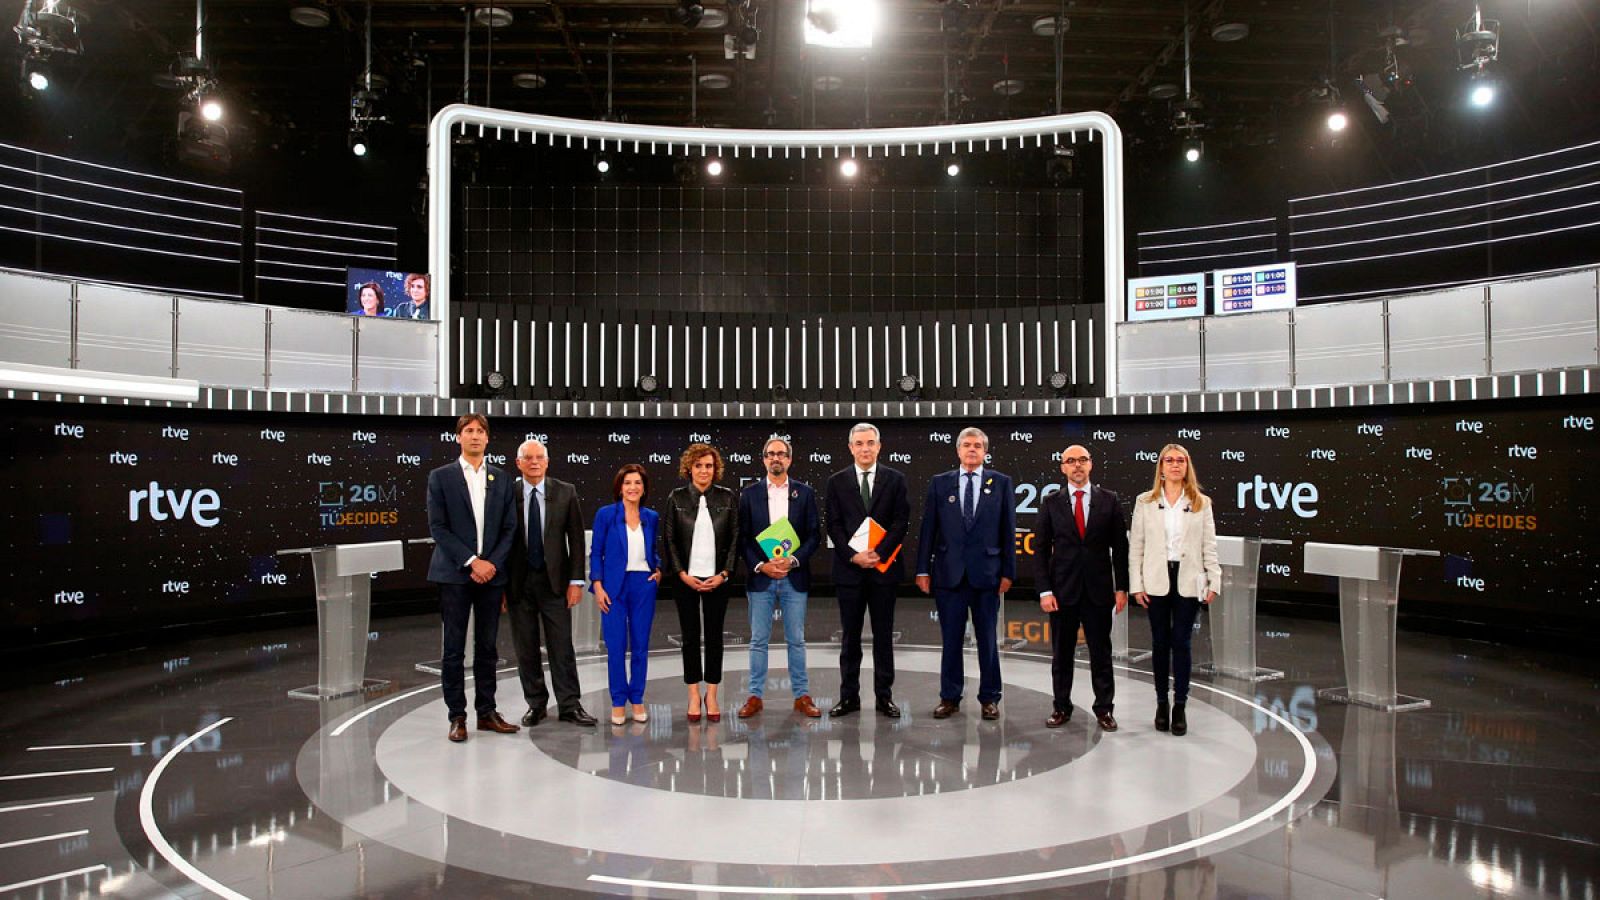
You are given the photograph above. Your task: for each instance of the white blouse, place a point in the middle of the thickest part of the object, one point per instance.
(1172, 518)
(638, 560)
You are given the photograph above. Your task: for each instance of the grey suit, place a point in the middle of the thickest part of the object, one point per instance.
(538, 597)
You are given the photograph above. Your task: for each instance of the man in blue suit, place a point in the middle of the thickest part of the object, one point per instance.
(782, 581)
(472, 515)
(967, 557)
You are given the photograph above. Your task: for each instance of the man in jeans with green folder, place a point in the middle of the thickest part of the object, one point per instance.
(779, 529)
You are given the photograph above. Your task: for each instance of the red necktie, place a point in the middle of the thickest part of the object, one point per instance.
(1077, 512)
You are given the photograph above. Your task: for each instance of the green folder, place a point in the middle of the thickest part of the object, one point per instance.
(780, 539)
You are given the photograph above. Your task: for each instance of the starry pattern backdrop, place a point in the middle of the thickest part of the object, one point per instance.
(1492, 486)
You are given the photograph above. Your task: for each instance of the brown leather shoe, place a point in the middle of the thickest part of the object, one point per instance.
(458, 729)
(946, 709)
(493, 722)
(991, 711)
(1057, 719)
(804, 704)
(1107, 721)
(750, 707)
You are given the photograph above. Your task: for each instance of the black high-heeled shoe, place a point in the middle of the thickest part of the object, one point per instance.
(1180, 721)
(1161, 715)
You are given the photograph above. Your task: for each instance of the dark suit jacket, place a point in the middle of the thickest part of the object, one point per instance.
(754, 519)
(1093, 567)
(608, 547)
(985, 553)
(563, 537)
(455, 533)
(891, 508)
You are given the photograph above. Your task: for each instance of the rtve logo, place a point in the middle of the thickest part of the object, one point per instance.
(1300, 497)
(161, 505)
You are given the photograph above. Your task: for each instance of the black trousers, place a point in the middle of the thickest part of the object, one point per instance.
(1096, 621)
(1171, 633)
(856, 601)
(534, 609)
(711, 607)
(456, 603)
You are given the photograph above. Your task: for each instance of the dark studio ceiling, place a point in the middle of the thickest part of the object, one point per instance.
(1260, 69)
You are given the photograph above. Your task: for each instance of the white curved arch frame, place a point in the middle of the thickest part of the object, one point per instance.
(867, 143)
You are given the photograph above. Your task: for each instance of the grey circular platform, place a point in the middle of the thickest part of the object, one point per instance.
(960, 805)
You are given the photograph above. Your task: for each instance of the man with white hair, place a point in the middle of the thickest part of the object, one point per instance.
(546, 582)
(967, 558)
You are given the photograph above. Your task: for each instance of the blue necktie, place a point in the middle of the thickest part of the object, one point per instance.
(969, 499)
(535, 531)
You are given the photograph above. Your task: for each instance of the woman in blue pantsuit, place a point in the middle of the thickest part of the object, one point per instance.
(625, 571)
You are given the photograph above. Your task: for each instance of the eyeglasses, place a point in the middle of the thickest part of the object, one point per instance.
(1075, 460)
(776, 454)
(1174, 460)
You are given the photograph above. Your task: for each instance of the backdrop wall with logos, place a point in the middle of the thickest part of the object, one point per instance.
(123, 520)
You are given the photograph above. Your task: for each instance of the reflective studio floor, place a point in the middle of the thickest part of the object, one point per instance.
(186, 771)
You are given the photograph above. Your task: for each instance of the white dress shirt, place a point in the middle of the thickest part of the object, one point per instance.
(477, 492)
(1070, 490)
(1172, 519)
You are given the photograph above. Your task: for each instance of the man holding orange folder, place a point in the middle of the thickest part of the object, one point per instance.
(867, 514)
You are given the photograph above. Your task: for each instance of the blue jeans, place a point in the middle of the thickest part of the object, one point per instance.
(626, 629)
(793, 603)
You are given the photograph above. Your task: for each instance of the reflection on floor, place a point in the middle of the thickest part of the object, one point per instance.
(1489, 793)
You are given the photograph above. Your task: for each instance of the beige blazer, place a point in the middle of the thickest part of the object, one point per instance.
(1198, 570)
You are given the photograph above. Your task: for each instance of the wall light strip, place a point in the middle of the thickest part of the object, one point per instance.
(331, 237)
(1459, 190)
(54, 380)
(62, 237)
(1514, 237)
(1509, 162)
(94, 165)
(1205, 227)
(129, 209)
(122, 190)
(1445, 212)
(1442, 230)
(165, 234)
(263, 212)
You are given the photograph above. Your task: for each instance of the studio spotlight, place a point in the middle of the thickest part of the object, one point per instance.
(953, 168)
(648, 385)
(849, 168)
(908, 385)
(1058, 382)
(358, 143)
(35, 74)
(714, 168)
(210, 109)
(602, 165)
(1482, 93)
(1193, 149)
(1337, 120)
(494, 383)
(687, 14)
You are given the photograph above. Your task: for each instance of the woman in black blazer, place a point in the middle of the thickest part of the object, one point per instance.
(699, 537)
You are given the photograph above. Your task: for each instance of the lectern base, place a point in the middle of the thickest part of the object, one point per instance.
(320, 692)
(1260, 673)
(1402, 702)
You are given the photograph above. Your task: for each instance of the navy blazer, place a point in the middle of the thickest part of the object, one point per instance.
(454, 531)
(891, 508)
(608, 547)
(985, 553)
(754, 519)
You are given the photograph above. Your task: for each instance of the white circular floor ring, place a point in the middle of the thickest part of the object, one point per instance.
(1105, 867)
(1017, 678)
(152, 832)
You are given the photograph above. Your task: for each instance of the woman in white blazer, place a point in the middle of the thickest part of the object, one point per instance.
(1172, 570)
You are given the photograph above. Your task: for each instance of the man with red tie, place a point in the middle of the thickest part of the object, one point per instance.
(1082, 541)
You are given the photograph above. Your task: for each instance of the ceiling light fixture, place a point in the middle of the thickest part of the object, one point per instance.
(844, 24)
(849, 168)
(714, 168)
